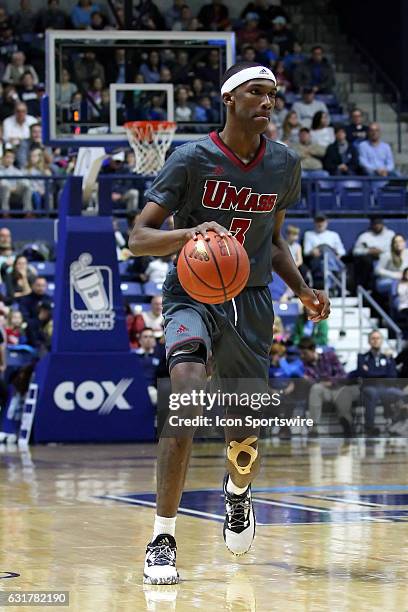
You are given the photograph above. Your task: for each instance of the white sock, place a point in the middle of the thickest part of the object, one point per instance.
(164, 524)
(232, 488)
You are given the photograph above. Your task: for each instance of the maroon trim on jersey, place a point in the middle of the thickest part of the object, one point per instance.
(215, 137)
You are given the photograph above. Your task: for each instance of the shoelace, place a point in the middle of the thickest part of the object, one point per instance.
(162, 554)
(238, 512)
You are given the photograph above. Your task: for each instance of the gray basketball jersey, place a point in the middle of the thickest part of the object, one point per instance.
(205, 181)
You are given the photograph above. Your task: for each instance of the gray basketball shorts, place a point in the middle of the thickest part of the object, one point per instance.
(238, 334)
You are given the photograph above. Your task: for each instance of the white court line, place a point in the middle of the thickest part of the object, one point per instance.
(142, 502)
(346, 501)
(375, 519)
(287, 505)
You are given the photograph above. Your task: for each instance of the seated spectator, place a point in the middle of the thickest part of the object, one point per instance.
(53, 18)
(99, 21)
(154, 317)
(311, 155)
(280, 367)
(81, 14)
(197, 89)
(120, 194)
(9, 99)
(210, 71)
(19, 278)
(341, 157)
(65, 89)
(263, 52)
(150, 69)
(249, 32)
(280, 113)
(315, 73)
(34, 142)
(87, 68)
(183, 23)
(39, 329)
(248, 54)
(182, 71)
(7, 253)
(402, 304)
(292, 239)
(173, 14)
(13, 190)
(184, 110)
(327, 377)
(316, 243)
(17, 127)
(356, 131)
(37, 166)
(15, 329)
(157, 269)
(147, 16)
(292, 60)
(156, 111)
(279, 332)
(374, 367)
(16, 68)
(95, 94)
(368, 247)
(392, 264)
(290, 129)
(304, 328)
(281, 35)
(23, 20)
(203, 111)
(322, 134)
(28, 304)
(29, 94)
(283, 80)
(148, 360)
(375, 155)
(265, 12)
(307, 107)
(214, 16)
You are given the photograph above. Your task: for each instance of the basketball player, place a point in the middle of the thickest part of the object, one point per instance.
(237, 182)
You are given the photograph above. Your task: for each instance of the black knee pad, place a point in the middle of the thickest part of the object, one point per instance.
(195, 352)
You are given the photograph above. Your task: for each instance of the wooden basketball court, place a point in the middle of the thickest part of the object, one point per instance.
(332, 530)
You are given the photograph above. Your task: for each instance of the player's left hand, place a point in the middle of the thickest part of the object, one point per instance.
(317, 304)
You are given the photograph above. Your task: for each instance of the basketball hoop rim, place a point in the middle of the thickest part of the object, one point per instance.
(155, 125)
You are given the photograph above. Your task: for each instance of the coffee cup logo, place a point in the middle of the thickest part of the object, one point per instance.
(90, 286)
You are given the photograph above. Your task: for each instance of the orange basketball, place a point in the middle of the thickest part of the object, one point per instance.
(213, 271)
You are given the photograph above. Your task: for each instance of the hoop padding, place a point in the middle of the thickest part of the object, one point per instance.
(150, 141)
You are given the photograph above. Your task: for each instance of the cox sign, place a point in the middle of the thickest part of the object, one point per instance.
(91, 395)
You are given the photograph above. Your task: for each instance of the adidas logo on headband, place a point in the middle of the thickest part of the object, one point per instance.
(247, 74)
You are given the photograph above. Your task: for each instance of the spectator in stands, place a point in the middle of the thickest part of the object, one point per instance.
(52, 18)
(150, 70)
(392, 264)
(327, 377)
(292, 60)
(34, 142)
(248, 54)
(290, 129)
(37, 166)
(214, 16)
(311, 155)
(375, 367)
(81, 14)
(279, 332)
(304, 328)
(264, 54)
(316, 73)
(322, 134)
(292, 238)
(401, 294)
(250, 32)
(283, 80)
(265, 12)
(184, 110)
(183, 24)
(28, 304)
(65, 89)
(154, 318)
(29, 94)
(148, 361)
(15, 328)
(210, 73)
(95, 94)
(281, 371)
(8, 44)
(173, 14)
(23, 20)
(87, 68)
(375, 155)
(19, 278)
(280, 113)
(148, 16)
(17, 127)
(122, 191)
(99, 21)
(368, 248)
(281, 35)
(12, 189)
(356, 131)
(341, 157)
(203, 111)
(197, 89)
(39, 329)
(7, 253)
(16, 68)
(316, 243)
(307, 107)
(280, 367)
(9, 99)
(157, 269)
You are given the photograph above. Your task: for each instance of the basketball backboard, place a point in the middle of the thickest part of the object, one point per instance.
(96, 81)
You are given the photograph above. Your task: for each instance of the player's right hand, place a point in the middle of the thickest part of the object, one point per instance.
(203, 228)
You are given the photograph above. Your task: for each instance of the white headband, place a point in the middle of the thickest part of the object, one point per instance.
(256, 72)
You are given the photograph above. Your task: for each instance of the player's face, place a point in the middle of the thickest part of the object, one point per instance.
(253, 103)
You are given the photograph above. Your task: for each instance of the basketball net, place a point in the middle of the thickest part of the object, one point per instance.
(150, 141)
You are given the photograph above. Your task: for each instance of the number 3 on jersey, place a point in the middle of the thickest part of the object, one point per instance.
(239, 228)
